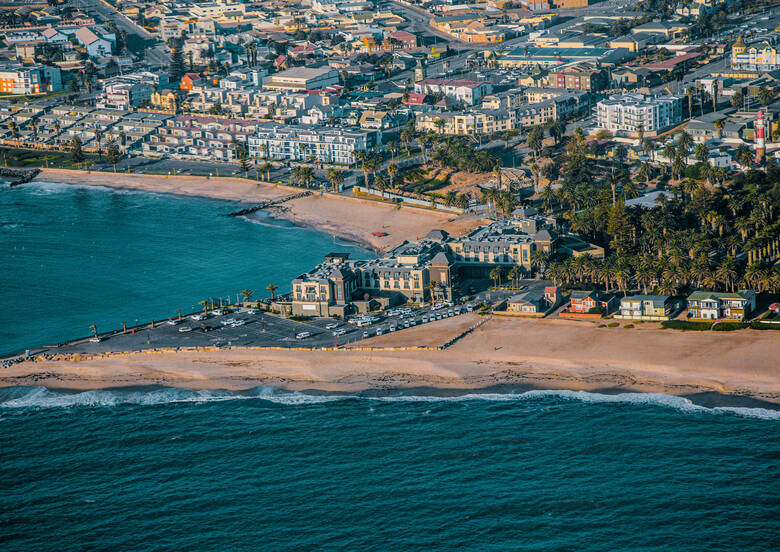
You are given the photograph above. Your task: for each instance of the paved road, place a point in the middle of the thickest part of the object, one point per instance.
(158, 54)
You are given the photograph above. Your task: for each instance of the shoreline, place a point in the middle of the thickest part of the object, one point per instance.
(550, 355)
(349, 218)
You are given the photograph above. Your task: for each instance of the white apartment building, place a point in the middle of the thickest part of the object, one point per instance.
(328, 145)
(468, 91)
(627, 112)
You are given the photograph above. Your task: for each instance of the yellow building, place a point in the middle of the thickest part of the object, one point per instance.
(761, 56)
(166, 100)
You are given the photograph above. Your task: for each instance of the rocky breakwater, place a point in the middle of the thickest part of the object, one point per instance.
(14, 177)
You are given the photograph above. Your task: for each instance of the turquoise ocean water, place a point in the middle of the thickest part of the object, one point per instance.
(158, 469)
(76, 256)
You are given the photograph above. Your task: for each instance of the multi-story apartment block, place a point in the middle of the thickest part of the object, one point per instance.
(713, 305)
(762, 56)
(202, 138)
(467, 91)
(582, 75)
(483, 121)
(628, 111)
(125, 92)
(296, 143)
(20, 79)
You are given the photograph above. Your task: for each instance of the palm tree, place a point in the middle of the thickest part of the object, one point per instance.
(514, 274)
(726, 272)
(380, 182)
(495, 275)
(335, 177)
(719, 124)
(701, 152)
(247, 293)
(645, 172)
(93, 327)
(392, 171)
(272, 288)
(266, 168)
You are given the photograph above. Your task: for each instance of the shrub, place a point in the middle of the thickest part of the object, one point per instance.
(729, 326)
(596, 310)
(759, 326)
(686, 325)
(602, 325)
(613, 324)
(628, 326)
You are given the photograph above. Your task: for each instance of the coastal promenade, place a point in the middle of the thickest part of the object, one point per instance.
(349, 218)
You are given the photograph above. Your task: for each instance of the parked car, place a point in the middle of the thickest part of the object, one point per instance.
(332, 326)
(302, 335)
(185, 329)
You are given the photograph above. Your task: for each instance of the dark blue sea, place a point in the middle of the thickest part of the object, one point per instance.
(170, 470)
(72, 256)
(266, 470)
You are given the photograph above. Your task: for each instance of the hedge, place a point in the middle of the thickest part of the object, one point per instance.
(729, 326)
(686, 325)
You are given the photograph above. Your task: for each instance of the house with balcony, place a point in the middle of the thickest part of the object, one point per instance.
(645, 307)
(715, 305)
(591, 301)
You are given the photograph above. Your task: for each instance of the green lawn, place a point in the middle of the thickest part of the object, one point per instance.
(23, 158)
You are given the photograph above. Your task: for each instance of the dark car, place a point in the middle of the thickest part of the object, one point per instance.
(206, 328)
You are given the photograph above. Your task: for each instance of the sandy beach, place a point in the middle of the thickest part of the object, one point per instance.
(345, 217)
(549, 354)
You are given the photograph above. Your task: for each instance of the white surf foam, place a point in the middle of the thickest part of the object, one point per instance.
(41, 397)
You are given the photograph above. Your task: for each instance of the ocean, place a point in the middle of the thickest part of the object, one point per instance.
(166, 469)
(73, 256)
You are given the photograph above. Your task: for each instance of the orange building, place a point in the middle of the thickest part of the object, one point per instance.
(190, 80)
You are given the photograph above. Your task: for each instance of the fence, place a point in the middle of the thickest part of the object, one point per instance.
(432, 203)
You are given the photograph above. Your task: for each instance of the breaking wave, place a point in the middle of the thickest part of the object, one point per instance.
(42, 397)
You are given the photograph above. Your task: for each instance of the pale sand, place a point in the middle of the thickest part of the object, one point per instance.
(549, 354)
(349, 218)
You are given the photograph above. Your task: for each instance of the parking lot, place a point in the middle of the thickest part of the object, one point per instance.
(252, 328)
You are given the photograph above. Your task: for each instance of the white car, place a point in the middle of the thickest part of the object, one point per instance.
(172, 322)
(237, 323)
(339, 333)
(185, 329)
(302, 335)
(198, 316)
(332, 326)
(95, 340)
(219, 312)
(228, 321)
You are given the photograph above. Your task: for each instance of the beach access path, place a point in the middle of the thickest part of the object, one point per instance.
(345, 217)
(544, 354)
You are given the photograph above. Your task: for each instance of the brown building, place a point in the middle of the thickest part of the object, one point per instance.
(583, 75)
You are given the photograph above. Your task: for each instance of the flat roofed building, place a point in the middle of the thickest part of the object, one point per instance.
(298, 143)
(627, 112)
(32, 79)
(302, 78)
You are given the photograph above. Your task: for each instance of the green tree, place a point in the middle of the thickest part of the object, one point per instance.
(76, 151)
(113, 154)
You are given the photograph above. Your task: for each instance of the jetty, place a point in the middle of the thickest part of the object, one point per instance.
(266, 204)
(16, 177)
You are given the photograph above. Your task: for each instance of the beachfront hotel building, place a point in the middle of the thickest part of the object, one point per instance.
(299, 143)
(761, 56)
(625, 112)
(714, 305)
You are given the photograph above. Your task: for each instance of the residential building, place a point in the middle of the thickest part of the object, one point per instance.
(714, 305)
(583, 75)
(29, 79)
(533, 303)
(200, 137)
(761, 56)
(590, 301)
(532, 57)
(625, 113)
(125, 92)
(464, 90)
(190, 81)
(97, 42)
(297, 143)
(302, 78)
(645, 307)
